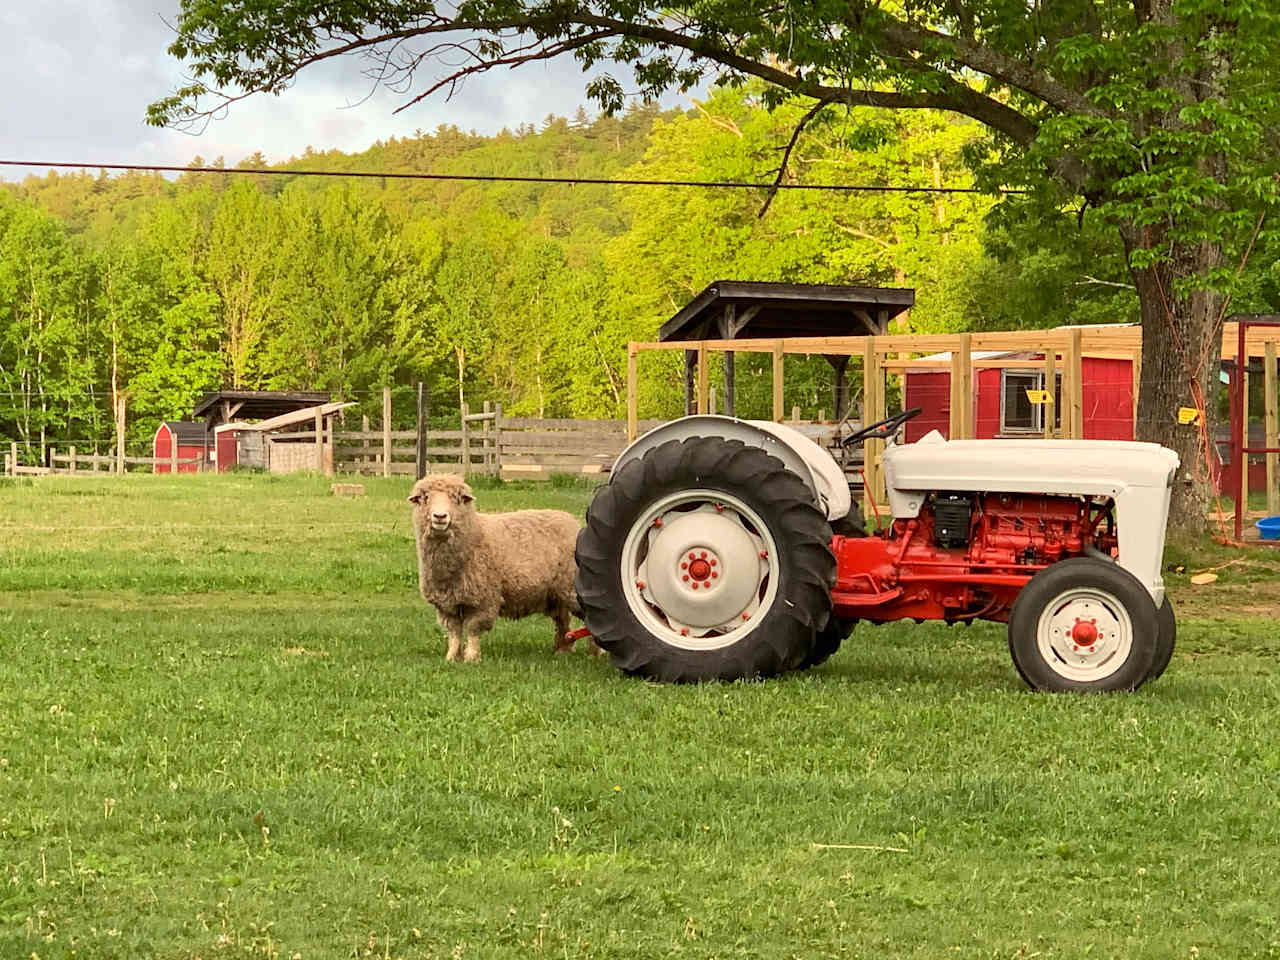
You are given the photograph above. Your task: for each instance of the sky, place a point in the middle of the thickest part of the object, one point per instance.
(77, 76)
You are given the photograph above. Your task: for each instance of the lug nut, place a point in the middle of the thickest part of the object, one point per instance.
(746, 616)
(693, 556)
(685, 578)
(657, 521)
(640, 584)
(719, 508)
(703, 554)
(694, 584)
(684, 565)
(713, 561)
(714, 575)
(684, 631)
(764, 554)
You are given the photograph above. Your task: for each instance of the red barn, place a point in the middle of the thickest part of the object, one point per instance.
(1002, 408)
(192, 445)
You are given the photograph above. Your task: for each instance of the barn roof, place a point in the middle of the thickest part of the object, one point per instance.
(256, 404)
(189, 434)
(786, 310)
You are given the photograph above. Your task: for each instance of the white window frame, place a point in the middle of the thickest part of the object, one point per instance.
(1036, 378)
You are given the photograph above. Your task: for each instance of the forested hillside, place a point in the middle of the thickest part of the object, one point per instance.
(520, 293)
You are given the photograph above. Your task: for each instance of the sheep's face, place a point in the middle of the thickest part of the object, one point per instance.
(438, 504)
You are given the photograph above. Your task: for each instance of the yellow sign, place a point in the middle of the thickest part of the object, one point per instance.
(1039, 396)
(1188, 415)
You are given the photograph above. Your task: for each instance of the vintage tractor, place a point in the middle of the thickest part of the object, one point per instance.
(725, 549)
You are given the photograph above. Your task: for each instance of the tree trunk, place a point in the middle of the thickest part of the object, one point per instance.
(1181, 351)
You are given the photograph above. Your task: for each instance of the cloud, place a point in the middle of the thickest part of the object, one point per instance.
(78, 77)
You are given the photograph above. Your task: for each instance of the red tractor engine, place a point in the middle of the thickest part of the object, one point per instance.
(965, 557)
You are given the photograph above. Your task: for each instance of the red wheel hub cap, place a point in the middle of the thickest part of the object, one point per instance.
(699, 569)
(1084, 632)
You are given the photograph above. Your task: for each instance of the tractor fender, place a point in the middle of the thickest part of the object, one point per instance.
(801, 455)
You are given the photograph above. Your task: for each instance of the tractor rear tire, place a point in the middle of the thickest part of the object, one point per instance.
(1165, 640)
(1085, 626)
(748, 531)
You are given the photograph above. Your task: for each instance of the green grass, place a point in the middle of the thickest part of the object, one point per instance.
(227, 730)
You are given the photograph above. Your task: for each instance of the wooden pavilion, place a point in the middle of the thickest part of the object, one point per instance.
(733, 309)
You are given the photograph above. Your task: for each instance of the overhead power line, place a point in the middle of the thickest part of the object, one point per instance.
(485, 178)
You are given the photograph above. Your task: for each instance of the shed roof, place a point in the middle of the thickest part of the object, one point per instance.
(786, 310)
(254, 404)
(189, 434)
(287, 419)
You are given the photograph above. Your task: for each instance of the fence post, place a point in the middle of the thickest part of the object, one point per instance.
(71, 460)
(497, 440)
(711, 403)
(704, 378)
(633, 389)
(173, 454)
(777, 381)
(319, 422)
(795, 414)
(6, 466)
(1049, 410)
(466, 441)
(386, 431)
(51, 464)
(120, 415)
(487, 435)
(13, 458)
(420, 468)
(1269, 413)
(364, 428)
(1075, 405)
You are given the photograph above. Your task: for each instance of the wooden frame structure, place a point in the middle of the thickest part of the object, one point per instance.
(1062, 348)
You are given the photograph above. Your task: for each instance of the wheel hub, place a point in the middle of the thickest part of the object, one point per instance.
(1085, 634)
(697, 568)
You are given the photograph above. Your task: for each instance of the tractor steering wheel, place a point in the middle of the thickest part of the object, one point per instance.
(881, 429)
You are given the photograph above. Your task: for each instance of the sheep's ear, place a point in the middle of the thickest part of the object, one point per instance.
(415, 498)
(467, 495)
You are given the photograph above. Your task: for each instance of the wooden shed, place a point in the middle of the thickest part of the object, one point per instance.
(193, 444)
(281, 444)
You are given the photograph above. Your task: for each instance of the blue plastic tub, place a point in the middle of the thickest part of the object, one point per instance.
(1269, 528)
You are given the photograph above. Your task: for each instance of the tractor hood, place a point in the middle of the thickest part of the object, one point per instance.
(1137, 476)
(1097, 467)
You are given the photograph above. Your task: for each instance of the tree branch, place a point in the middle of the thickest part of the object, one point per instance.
(786, 153)
(985, 60)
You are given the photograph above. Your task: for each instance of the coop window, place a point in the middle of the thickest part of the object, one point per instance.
(1017, 413)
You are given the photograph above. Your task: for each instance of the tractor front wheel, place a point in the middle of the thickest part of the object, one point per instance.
(1086, 626)
(706, 559)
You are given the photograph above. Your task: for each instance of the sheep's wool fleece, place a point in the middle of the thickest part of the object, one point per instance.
(497, 564)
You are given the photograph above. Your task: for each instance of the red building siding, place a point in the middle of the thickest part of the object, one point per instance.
(162, 448)
(1107, 391)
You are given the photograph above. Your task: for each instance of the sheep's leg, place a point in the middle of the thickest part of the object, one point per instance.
(452, 627)
(472, 629)
(561, 617)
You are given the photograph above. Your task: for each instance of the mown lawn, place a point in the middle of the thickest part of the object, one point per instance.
(227, 729)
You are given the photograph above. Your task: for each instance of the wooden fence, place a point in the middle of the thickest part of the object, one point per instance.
(486, 443)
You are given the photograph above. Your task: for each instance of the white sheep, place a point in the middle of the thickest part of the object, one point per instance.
(475, 567)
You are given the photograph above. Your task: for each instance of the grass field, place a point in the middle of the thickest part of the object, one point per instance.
(227, 730)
